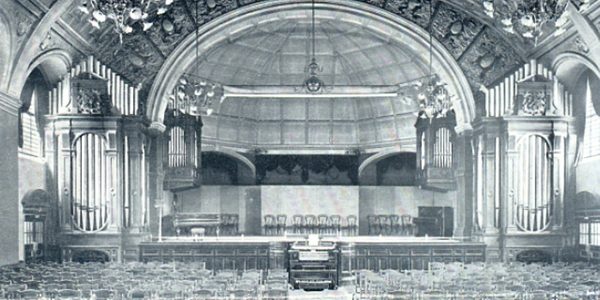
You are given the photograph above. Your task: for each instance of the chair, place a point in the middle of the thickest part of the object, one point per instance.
(297, 224)
(399, 295)
(30, 294)
(407, 224)
(203, 294)
(235, 224)
(269, 224)
(103, 294)
(69, 294)
(310, 224)
(373, 225)
(276, 294)
(242, 294)
(321, 224)
(351, 225)
(281, 224)
(395, 224)
(383, 222)
(335, 224)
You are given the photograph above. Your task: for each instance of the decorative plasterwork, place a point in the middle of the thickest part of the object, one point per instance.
(487, 59)
(140, 56)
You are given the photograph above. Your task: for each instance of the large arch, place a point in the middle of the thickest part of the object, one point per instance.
(232, 154)
(380, 20)
(23, 59)
(5, 50)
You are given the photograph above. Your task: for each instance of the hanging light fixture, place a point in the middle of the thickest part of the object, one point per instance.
(194, 95)
(313, 84)
(124, 14)
(529, 18)
(434, 99)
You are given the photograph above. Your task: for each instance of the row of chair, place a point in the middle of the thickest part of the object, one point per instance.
(310, 224)
(481, 281)
(391, 225)
(138, 281)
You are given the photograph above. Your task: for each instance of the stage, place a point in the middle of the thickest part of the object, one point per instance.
(270, 252)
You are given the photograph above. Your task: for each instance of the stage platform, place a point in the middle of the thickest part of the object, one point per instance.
(270, 252)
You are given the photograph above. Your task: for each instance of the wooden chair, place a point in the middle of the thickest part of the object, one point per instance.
(269, 224)
(373, 225)
(69, 294)
(322, 224)
(281, 224)
(383, 222)
(203, 294)
(351, 225)
(276, 294)
(395, 224)
(335, 224)
(310, 224)
(407, 225)
(297, 224)
(103, 294)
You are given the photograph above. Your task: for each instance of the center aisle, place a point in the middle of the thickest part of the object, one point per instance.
(342, 293)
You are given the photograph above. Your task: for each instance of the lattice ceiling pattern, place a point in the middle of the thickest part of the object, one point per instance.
(277, 53)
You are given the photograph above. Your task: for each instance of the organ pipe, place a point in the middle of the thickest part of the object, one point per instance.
(90, 170)
(123, 95)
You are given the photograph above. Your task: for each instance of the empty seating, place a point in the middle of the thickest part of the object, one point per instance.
(138, 281)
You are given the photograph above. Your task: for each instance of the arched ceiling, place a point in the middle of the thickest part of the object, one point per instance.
(277, 52)
(484, 52)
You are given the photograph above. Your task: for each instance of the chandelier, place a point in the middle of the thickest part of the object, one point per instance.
(529, 18)
(124, 14)
(433, 96)
(434, 99)
(192, 94)
(313, 84)
(195, 96)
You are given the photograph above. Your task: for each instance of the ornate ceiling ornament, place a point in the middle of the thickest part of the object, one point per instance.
(125, 14)
(530, 18)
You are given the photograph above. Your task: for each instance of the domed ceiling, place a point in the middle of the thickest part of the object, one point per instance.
(277, 53)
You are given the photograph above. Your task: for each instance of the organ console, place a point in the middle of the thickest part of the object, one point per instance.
(313, 264)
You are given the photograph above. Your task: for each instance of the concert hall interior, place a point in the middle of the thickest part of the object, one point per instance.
(351, 149)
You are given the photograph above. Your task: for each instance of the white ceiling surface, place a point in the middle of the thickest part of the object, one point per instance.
(277, 53)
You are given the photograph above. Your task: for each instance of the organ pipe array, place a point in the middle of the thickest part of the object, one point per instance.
(523, 147)
(181, 160)
(123, 96)
(96, 150)
(435, 152)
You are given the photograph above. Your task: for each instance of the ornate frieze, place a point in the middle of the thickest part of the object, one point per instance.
(487, 59)
(454, 29)
(416, 11)
(175, 25)
(484, 53)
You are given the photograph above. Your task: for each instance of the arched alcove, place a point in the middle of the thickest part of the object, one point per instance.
(389, 27)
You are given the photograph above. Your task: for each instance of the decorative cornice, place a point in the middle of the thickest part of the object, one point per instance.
(9, 104)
